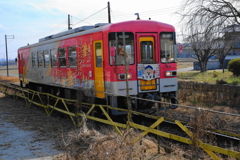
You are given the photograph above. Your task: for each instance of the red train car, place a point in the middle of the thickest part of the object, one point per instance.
(105, 62)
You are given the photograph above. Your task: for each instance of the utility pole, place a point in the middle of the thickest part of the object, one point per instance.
(69, 22)
(7, 37)
(126, 73)
(109, 13)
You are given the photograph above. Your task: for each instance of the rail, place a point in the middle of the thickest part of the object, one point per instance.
(62, 105)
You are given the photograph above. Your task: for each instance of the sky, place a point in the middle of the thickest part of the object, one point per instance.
(26, 21)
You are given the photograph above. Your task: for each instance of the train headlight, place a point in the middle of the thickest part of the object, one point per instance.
(129, 76)
(123, 76)
(170, 73)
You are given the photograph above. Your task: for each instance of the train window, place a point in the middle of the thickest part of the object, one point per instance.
(40, 59)
(147, 51)
(98, 51)
(46, 58)
(62, 57)
(117, 50)
(72, 56)
(53, 57)
(34, 59)
(167, 41)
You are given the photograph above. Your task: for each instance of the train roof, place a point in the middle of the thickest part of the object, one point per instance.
(139, 26)
(136, 25)
(75, 30)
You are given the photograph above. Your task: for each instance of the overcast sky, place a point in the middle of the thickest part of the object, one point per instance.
(29, 20)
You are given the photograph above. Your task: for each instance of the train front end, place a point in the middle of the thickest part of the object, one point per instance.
(142, 65)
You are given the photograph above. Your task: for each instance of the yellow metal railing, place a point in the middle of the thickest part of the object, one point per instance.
(36, 98)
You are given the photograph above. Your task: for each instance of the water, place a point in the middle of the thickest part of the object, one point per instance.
(21, 144)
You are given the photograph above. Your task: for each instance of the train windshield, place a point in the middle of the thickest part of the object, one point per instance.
(167, 42)
(120, 52)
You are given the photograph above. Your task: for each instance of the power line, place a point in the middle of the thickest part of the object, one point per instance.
(152, 12)
(142, 13)
(162, 10)
(60, 27)
(90, 16)
(80, 19)
(46, 32)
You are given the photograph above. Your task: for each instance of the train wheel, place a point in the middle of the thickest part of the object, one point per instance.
(21, 84)
(174, 103)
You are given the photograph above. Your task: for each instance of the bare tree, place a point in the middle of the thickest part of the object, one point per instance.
(226, 46)
(227, 9)
(201, 34)
(204, 22)
(222, 53)
(227, 13)
(203, 45)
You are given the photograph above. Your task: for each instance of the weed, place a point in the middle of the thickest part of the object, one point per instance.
(194, 103)
(200, 122)
(215, 74)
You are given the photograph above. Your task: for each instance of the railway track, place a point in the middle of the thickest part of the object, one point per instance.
(158, 125)
(226, 140)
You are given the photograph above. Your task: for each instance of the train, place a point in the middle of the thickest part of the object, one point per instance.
(118, 64)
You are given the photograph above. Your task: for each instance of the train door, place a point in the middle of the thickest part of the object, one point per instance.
(148, 66)
(23, 68)
(98, 69)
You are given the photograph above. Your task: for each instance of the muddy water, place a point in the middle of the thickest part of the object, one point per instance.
(27, 132)
(21, 144)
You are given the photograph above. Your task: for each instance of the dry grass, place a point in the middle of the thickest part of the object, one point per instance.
(90, 144)
(9, 79)
(12, 70)
(218, 121)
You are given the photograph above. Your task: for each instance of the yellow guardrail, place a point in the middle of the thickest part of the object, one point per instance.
(43, 99)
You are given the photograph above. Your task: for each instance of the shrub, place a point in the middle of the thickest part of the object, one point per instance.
(234, 82)
(221, 81)
(234, 66)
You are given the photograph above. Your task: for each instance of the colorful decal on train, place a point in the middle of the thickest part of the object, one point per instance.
(148, 71)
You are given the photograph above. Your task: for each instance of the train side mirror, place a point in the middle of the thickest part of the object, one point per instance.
(175, 51)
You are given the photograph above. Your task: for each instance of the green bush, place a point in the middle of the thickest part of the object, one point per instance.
(234, 66)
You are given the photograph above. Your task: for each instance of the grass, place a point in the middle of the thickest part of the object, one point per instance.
(210, 76)
(215, 77)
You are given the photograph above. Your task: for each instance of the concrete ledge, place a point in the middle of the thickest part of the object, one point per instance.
(216, 94)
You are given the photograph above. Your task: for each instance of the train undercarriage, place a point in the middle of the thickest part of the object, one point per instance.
(144, 102)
